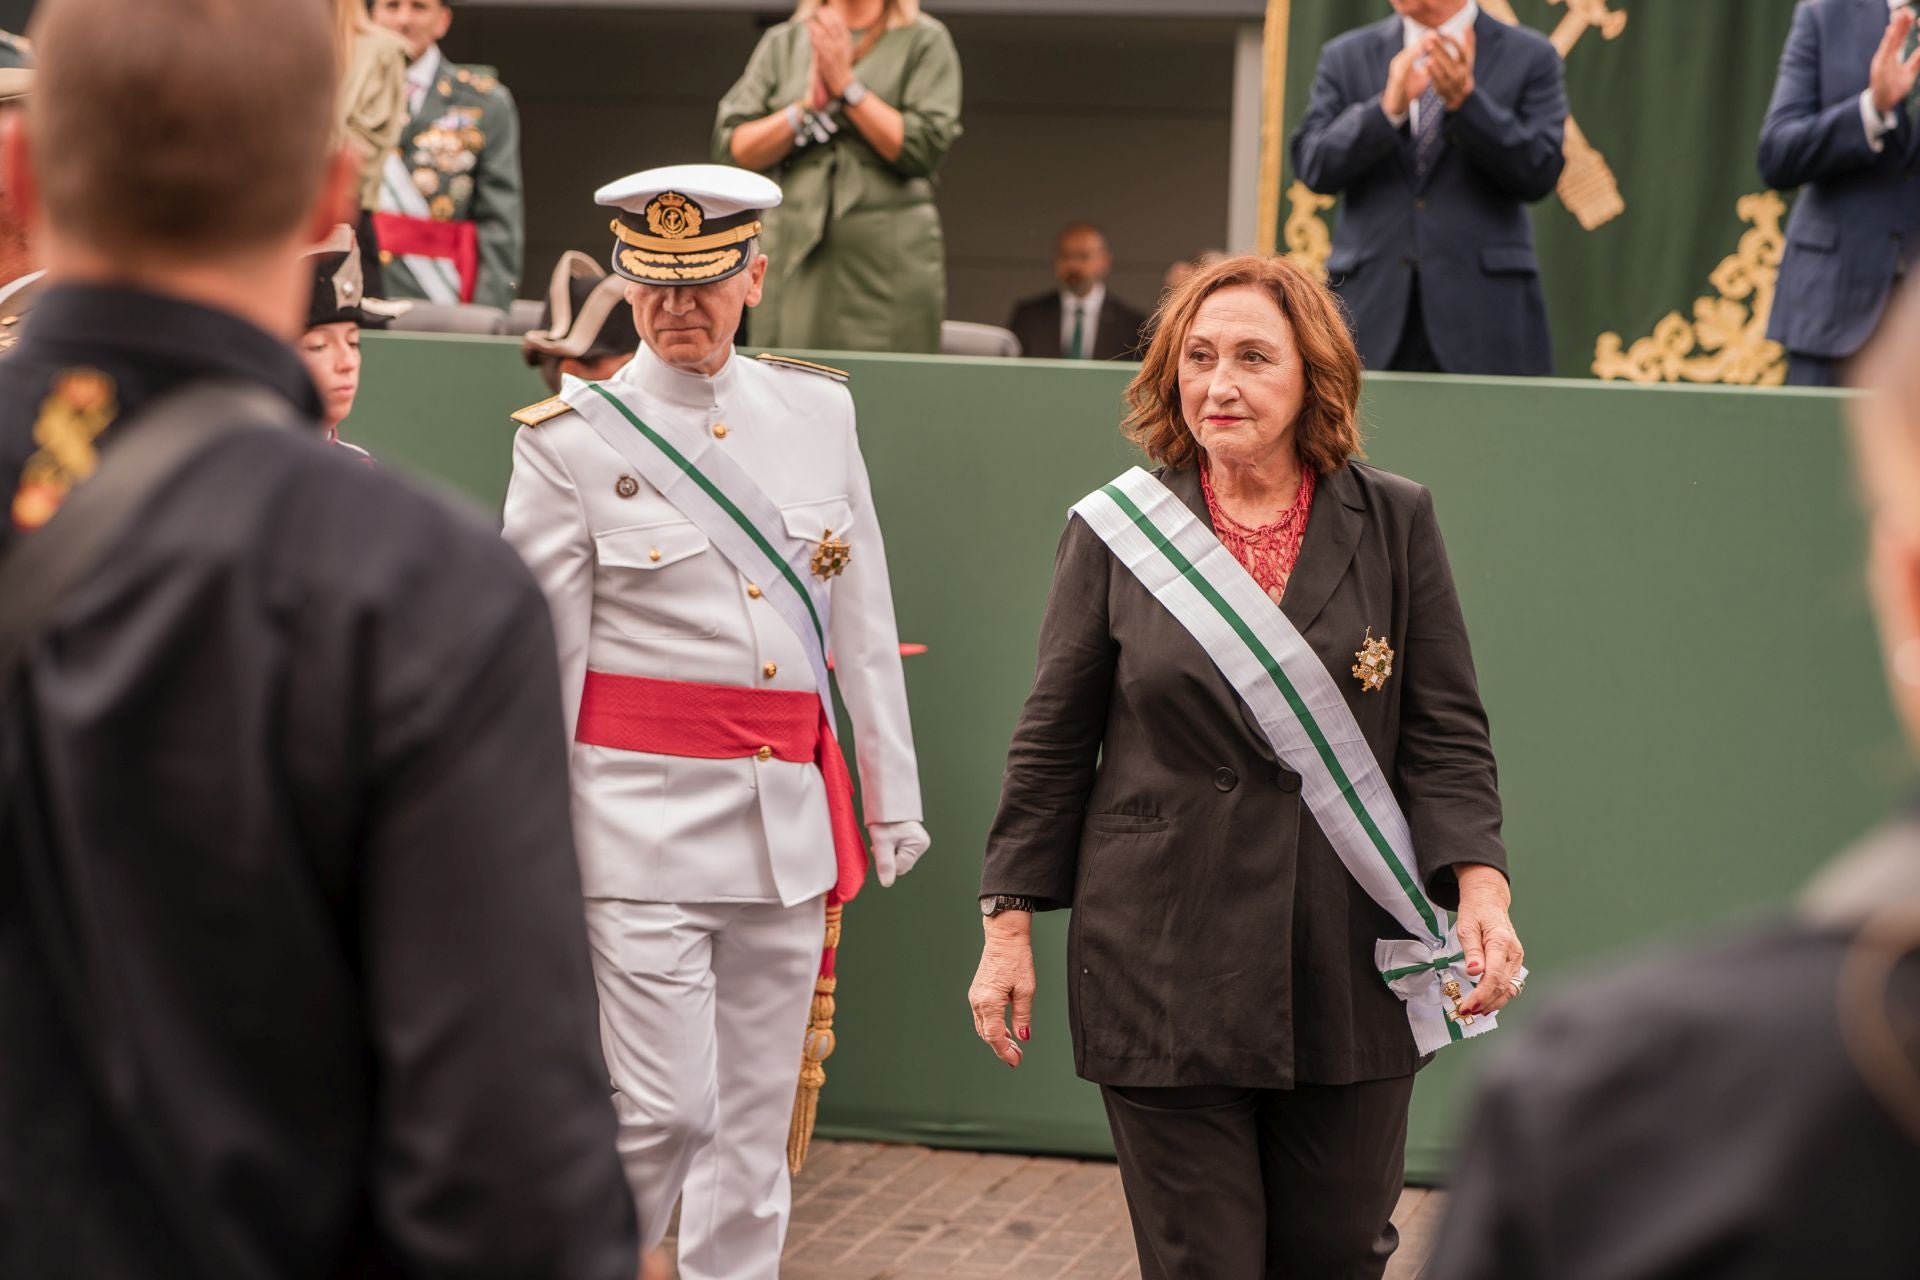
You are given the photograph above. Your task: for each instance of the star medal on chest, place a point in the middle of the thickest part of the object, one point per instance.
(830, 558)
(79, 407)
(1375, 663)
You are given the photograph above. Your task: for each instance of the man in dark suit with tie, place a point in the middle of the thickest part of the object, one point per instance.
(1842, 126)
(1080, 320)
(1439, 126)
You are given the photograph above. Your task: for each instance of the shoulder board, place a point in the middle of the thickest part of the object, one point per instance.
(805, 366)
(543, 411)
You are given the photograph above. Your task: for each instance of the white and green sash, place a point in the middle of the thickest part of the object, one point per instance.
(724, 502)
(1305, 716)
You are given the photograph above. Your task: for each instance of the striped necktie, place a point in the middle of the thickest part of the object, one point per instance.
(1426, 135)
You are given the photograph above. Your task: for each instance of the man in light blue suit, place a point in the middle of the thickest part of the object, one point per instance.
(1438, 126)
(1842, 125)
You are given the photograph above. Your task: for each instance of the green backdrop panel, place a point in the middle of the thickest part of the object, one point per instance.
(1663, 590)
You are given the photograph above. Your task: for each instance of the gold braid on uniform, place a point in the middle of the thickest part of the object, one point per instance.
(819, 1047)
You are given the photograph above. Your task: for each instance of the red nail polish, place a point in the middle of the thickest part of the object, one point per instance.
(1025, 1033)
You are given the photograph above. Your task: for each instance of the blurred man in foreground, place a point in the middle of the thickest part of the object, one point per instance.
(293, 980)
(1748, 1109)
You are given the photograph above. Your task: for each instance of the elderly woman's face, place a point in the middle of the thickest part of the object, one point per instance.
(1241, 380)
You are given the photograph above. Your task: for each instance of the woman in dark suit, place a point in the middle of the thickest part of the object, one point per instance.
(1223, 983)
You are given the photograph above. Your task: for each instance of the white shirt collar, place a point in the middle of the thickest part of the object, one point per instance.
(1095, 296)
(425, 68)
(676, 386)
(1414, 32)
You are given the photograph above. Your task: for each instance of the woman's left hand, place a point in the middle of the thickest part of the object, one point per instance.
(832, 49)
(1492, 947)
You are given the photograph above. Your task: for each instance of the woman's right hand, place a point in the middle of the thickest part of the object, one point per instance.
(1005, 977)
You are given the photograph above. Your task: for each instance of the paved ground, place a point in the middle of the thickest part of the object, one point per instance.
(867, 1211)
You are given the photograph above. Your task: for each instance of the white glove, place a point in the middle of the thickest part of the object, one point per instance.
(896, 847)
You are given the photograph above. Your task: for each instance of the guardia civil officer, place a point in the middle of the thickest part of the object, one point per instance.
(703, 527)
(293, 981)
(452, 212)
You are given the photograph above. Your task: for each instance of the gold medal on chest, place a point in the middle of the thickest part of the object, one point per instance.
(1375, 664)
(831, 557)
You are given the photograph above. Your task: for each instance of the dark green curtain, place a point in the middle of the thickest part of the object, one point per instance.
(1673, 101)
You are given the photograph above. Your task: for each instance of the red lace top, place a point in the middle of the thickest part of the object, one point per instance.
(1267, 551)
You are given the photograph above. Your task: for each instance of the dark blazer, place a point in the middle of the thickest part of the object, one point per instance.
(1853, 227)
(1216, 937)
(1465, 228)
(1036, 322)
(1659, 1121)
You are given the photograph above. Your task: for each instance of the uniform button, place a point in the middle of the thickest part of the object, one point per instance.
(1288, 782)
(771, 670)
(753, 591)
(764, 754)
(654, 554)
(1225, 779)
(719, 431)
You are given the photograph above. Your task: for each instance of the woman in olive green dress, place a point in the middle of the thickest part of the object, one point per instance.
(851, 105)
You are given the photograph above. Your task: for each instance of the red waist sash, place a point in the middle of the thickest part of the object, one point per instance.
(727, 722)
(455, 242)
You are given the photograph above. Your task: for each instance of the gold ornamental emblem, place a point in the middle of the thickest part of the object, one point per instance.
(672, 216)
(1375, 664)
(80, 406)
(830, 558)
(1451, 989)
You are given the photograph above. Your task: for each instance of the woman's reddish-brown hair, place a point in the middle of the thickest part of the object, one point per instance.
(1327, 432)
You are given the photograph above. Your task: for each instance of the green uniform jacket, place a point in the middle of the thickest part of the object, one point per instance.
(462, 149)
(857, 260)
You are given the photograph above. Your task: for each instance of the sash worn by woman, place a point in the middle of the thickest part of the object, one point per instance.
(1255, 765)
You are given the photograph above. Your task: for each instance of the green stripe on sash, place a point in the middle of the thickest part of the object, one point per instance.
(1273, 669)
(726, 504)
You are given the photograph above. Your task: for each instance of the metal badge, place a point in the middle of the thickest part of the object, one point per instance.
(626, 486)
(830, 558)
(1451, 990)
(1375, 664)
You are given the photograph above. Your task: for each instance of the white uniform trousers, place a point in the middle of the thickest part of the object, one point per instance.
(703, 1014)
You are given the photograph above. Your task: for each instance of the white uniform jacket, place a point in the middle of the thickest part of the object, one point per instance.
(637, 590)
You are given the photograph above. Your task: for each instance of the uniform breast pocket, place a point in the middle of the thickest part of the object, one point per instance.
(827, 545)
(656, 580)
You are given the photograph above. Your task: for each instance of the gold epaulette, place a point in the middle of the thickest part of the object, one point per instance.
(806, 366)
(542, 411)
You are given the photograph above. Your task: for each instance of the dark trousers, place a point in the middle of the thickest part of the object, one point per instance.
(1261, 1184)
(1813, 371)
(1415, 353)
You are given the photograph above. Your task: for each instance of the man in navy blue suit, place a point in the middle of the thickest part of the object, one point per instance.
(1439, 126)
(1842, 124)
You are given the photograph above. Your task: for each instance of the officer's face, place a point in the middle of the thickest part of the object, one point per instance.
(691, 326)
(332, 355)
(418, 23)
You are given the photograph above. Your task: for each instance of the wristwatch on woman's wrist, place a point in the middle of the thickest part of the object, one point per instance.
(994, 904)
(854, 94)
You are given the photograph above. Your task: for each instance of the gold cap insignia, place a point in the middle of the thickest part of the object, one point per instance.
(672, 216)
(830, 558)
(1375, 664)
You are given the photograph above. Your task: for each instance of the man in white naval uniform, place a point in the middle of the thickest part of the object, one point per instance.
(712, 811)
